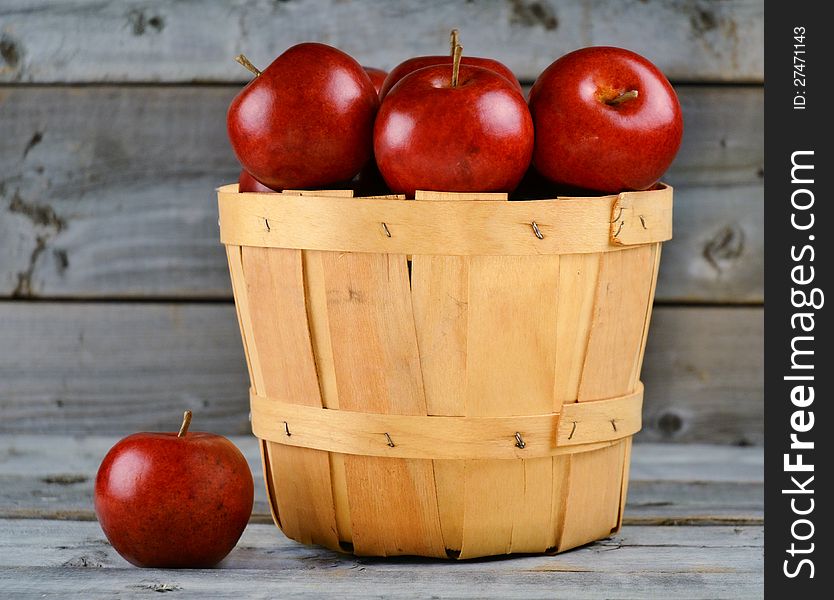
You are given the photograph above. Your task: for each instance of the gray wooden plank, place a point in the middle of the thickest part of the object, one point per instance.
(70, 559)
(115, 368)
(694, 503)
(714, 581)
(24, 540)
(120, 367)
(697, 462)
(108, 193)
(154, 40)
(52, 477)
(703, 372)
(723, 140)
(716, 253)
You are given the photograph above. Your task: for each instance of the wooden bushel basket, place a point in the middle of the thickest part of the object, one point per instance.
(451, 376)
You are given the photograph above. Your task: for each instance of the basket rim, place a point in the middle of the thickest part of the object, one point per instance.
(232, 188)
(565, 225)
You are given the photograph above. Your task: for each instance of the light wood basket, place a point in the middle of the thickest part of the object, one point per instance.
(450, 376)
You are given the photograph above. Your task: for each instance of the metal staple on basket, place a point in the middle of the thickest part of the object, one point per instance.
(536, 230)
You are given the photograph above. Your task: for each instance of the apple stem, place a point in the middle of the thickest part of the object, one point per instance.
(624, 97)
(247, 64)
(186, 421)
(453, 41)
(456, 64)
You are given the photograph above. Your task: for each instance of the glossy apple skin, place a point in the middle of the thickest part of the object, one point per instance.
(306, 121)
(247, 183)
(419, 62)
(582, 141)
(172, 502)
(377, 77)
(476, 137)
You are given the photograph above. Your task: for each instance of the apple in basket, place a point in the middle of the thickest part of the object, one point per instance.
(419, 62)
(377, 77)
(247, 183)
(174, 500)
(306, 120)
(453, 127)
(606, 119)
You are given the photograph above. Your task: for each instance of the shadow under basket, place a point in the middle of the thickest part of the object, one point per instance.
(450, 376)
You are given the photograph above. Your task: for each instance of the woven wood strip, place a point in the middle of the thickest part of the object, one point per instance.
(578, 428)
(452, 228)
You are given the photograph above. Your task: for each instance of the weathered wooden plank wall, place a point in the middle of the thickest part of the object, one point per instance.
(190, 40)
(114, 297)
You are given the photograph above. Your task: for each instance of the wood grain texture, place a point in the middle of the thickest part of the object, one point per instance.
(122, 205)
(440, 297)
(285, 367)
(716, 351)
(118, 368)
(52, 478)
(624, 285)
(357, 432)
(717, 252)
(44, 558)
(318, 321)
(593, 498)
(189, 41)
(504, 362)
(627, 444)
(440, 300)
(376, 367)
(476, 227)
(578, 276)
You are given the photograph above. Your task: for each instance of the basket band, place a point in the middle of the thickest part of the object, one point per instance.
(580, 426)
(451, 228)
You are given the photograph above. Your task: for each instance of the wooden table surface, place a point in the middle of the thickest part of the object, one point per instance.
(693, 529)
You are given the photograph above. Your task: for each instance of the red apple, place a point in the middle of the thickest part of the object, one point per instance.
(174, 500)
(247, 183)
(306, 121)
(377, 76)
(606, 119)
(419, 62)
(472, 136)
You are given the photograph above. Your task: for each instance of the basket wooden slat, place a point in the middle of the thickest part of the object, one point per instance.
(277, 309)
(615, 336)
(377, 370)
(478, 323)
(510, 354)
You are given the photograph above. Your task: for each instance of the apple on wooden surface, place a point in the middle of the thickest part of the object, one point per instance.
(305, 121)
(453, 127)
(247, 183)
(606, 119)
(174, 500)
